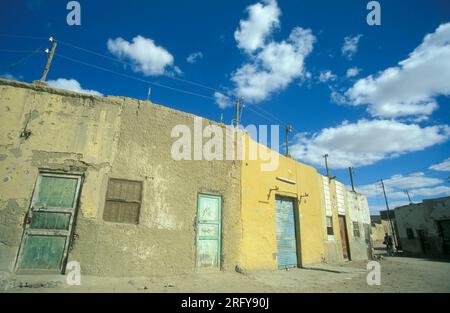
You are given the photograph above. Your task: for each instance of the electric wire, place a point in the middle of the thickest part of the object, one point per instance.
(133, 77)
(132, 65)
(264, 113)
(256, 109)
(23, 37)
(22, 60)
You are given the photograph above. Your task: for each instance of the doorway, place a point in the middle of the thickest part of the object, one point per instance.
(48, 224)
(209, 222)
(444, 228)
(286, 232)
(344, 237)
(423, 239)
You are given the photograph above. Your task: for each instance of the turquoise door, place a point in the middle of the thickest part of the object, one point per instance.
(208, 243)
(49, 222)
(286, 233)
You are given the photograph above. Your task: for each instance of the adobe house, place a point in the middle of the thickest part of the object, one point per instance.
(294, 217)
(94, 179)
(347, 218)
(91, 179)
(424, 228)
(282, 215)
(359, 214)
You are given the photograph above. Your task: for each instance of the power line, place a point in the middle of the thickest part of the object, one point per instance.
(16, 51)
(265, 114)
(23, 37)
(22, 60)
(131, 64)
(173, 78)
(424, 170)
(272, 116)
(133, 77)
(110, 58)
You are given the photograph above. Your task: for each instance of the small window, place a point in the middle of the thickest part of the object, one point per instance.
(123, 201)
(330, 225)
(356, 232)
(409, 233)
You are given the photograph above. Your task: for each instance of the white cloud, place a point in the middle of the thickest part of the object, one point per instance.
(337, 97)
(9, 76)
(411, 87)
(366, 142)
(430, 192)
(379, 205)
(144, 54)
(326, 76)
(222, 100)
(350, 46)
(352, 72)
(444, 166)
(274, 67)
(194, 57)
(72, 85)
(262, 20)
(417, 184)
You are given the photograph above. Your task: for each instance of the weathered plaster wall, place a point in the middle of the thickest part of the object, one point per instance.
(422, 216)
(259, 188)
(332, 243)
(106, 137)
(378, 231)
(359, 213)
(355, 208)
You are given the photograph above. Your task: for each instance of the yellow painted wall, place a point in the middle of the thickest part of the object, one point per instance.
(258, 246)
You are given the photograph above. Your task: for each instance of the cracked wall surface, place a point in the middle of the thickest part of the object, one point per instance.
(423, 216)
(110, 137)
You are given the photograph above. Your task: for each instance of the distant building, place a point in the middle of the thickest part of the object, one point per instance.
(381, 226)
(424, 228)
(347, 221)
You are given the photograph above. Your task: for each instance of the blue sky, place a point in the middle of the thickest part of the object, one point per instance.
(314, 64)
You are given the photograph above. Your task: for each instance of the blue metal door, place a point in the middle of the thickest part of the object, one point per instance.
(286, 233)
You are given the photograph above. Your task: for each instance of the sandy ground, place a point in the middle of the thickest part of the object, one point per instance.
(398, 274)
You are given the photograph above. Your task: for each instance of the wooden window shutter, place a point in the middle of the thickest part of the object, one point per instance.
(123, 201)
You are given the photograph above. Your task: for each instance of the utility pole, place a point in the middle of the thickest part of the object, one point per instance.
(49, 60)
(388, 214)
(288, 130)
(237, 112)
(409, 198)
(326, 165)
(149, 93)
(350, 170)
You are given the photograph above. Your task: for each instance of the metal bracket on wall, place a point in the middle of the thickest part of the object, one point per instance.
(272, 189)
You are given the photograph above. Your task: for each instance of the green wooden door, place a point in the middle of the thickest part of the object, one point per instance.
(48, 224)
(208, 243)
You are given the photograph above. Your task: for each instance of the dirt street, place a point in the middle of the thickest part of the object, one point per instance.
(398, 274)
